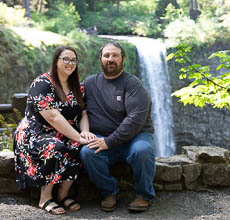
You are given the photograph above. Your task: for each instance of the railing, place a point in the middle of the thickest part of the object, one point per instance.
(6, 108)
(18, 103)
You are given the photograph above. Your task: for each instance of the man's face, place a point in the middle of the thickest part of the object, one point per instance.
(111, 61)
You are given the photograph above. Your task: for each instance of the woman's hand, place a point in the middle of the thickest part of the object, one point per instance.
(83, 141)
(87, 135)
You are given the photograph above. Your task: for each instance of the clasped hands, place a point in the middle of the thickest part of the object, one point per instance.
(93, 141)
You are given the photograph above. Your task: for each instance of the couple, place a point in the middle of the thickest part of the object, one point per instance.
(48, 141)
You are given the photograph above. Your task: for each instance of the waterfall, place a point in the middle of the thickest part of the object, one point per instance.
(154, 74)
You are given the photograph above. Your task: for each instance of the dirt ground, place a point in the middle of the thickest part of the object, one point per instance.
(186, 205)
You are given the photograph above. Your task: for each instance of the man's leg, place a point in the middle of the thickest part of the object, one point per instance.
(140, 156)
(97, 166)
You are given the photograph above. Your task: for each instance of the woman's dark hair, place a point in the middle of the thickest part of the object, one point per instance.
(115, 44)
(73, 79)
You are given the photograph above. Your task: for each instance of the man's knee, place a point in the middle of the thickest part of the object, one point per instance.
(85, 153)
(142, 152)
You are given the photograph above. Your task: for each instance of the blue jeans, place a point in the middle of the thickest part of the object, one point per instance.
(138, 153)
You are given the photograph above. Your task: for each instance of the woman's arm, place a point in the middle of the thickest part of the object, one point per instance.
(84, 127)
(56, 119)
(84, 122)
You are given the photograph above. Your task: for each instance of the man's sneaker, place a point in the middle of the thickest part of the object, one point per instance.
(109, 203)
(139, 205)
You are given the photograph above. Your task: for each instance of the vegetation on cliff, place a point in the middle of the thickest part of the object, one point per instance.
(206, 85)
(26, 52)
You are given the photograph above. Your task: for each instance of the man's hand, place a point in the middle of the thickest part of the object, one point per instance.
(98, 143)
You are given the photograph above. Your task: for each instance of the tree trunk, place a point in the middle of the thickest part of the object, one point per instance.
(91, 5)
(194, 12)
(40, 6)
(118, 7)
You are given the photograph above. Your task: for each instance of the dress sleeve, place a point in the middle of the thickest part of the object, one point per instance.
(42, 94)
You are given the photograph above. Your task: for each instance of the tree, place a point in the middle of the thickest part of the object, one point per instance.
(194, 12)
(26, 5)
(91, 5)
(40, 6)
(205, 88)
(6, 2)
(161, 8)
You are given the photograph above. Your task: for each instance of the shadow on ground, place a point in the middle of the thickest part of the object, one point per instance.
(212, 204)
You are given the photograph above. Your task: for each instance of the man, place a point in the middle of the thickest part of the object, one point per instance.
(119, 111)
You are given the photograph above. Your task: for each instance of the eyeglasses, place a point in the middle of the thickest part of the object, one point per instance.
(66, 60)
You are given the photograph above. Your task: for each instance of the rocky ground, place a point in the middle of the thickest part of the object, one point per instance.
(206, 205)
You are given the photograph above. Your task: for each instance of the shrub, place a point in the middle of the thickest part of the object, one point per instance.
(186, 30)
(12, 16)
(61, 19)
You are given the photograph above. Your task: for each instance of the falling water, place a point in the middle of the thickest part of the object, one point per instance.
(154, 74)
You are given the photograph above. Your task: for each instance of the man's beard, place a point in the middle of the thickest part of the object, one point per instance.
(111, 68)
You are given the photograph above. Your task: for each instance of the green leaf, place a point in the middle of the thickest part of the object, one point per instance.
(170, 56)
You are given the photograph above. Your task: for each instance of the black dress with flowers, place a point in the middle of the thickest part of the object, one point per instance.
(42, 154)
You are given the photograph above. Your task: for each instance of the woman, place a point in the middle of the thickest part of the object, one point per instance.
(47, 140)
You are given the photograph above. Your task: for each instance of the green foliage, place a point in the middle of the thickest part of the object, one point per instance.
(146, 26)
(161, 7)
(61, 18)
(133, 17)
(20, 63)
(12, 16)
(6, 136)
(172, 13)
(205, 87)
(119, 26)
(185, 29)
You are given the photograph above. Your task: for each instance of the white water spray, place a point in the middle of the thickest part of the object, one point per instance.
(154, 74)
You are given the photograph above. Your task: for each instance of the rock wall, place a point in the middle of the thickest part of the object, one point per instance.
(199, 126)
(196, 168)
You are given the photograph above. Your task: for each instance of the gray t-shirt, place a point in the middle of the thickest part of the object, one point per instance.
(118, 108)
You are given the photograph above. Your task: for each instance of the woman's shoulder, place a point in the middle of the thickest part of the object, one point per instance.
(44, 77)
(42, 82)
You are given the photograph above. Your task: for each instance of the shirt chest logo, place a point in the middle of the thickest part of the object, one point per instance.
(118, 98)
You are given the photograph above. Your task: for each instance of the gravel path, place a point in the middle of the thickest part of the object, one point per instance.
(209, 205)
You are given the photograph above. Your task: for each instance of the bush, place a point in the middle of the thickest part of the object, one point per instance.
(12, 16)
(196, 33)
(119, 26)
(61, 19)
(146, 26)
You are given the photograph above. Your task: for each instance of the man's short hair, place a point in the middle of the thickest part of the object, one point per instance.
(115, 44)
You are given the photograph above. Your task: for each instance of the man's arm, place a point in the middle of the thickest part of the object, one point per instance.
(137, 104)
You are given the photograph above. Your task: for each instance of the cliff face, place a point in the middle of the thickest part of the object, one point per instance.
(199, 126)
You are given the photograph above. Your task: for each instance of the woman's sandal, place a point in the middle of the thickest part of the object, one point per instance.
(54, 210)
(63, 201)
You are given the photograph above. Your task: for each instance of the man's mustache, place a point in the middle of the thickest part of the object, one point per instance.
(110, 62)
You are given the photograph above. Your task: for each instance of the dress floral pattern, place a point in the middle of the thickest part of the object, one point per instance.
(42, 154)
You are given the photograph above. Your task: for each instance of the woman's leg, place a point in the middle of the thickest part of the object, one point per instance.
(63, 193)
(46, 195)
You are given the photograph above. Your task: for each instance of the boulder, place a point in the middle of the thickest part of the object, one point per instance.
(191, 172)
(216, 174)
(206, 154)
(6, 162)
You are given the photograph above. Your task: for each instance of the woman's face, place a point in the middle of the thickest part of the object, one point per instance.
(66, 63)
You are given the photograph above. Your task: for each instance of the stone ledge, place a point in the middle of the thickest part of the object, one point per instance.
(196, 168)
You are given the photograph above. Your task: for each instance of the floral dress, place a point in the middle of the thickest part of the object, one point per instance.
(42, 154)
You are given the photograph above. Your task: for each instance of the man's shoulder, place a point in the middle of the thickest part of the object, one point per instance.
(132, 79)
(92, 77)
